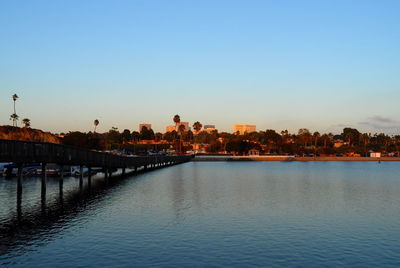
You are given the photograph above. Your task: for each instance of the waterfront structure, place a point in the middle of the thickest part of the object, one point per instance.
(242, 129)
(253, 152)
(24, 153)
(148, 126)
(375, 154)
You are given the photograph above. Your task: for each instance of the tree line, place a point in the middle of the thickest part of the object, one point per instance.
(269, 141)
(350, 141)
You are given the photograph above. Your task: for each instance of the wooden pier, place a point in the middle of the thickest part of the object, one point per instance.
(22, 152)
(36, 152)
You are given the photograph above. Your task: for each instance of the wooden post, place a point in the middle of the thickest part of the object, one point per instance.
(123, 171)
(19, 176)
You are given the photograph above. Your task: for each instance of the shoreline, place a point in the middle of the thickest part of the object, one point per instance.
(292, 158)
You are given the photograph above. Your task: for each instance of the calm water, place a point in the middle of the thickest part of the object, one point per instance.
(210, 214)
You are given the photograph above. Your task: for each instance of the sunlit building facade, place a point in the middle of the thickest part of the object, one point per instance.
(173, 127)
(209, 128)
(185, 124)
(242, 129)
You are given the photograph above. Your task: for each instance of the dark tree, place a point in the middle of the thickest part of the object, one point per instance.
(146, 134)
(126, 135)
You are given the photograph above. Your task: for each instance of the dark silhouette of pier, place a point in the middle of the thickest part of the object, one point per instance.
(24, 152)
(21, 152)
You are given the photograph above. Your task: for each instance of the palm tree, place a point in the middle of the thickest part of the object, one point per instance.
(181, 130)
(26, 122)
(96, 123)
(15, 97)
(197, 126)
(14, 117)
(177, 120)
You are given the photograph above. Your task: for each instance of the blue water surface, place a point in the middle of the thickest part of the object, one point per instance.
(210, 214)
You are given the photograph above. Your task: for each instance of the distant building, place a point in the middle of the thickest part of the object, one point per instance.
(209, 128)
(375, 154)
(148, 126)
(338, 143)
(242, 129)
(200, 147)
(186, 124)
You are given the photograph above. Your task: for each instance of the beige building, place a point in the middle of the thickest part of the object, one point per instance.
(185, 124)
(242, 129)
(172, 127)
(209, 128)
(148, 126)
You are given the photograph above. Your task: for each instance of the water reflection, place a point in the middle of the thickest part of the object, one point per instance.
(19, 201)
(178, 190)
(25, 225)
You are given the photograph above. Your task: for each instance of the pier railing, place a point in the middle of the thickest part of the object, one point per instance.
(24, 151)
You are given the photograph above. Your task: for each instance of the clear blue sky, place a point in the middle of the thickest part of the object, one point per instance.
(319, 64)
